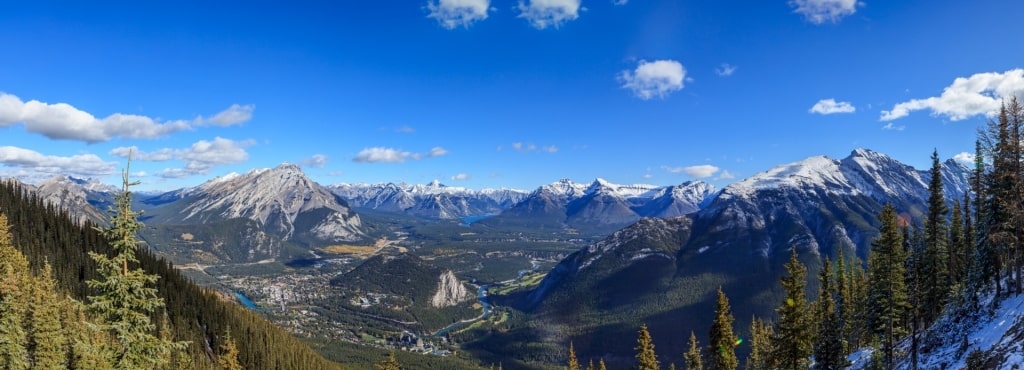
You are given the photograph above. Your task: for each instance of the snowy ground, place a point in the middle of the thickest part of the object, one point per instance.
(1000, 335)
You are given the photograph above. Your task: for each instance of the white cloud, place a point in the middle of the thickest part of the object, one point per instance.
(725, 175)
(701, 171)
(725, 70)
(648, 176)
(316, 161)
(61, 121)
(821, 11)
(965, 158)
(390, 155)
(199, 158)
(460, 177)
(620, 2)
(36, 166)
(654, 79)
(234, 115)
(980, 94)
(550, 149)
(455, 13)
(437, 152)
(831, 106)
(892, 127)
(523, 147)
(549, 13)
(405, 129)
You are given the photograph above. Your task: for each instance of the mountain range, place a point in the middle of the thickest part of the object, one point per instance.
(664, 272)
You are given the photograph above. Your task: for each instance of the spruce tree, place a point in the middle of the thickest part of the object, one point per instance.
(590, 366)
(646, 359)
(935, 259)
(573, 364)
(14, 297)
(600, 365)
(47, 344)
(793, 336)
(828, 346)
(227, 359)
(692, 358)
(722, 349)
(391, 363)
(887, 292)
(760, 357)
(957, 247)
(125, 297)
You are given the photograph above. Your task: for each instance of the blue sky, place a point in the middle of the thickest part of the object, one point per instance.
(494, 93)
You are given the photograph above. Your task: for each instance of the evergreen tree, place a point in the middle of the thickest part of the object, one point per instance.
(590, 366)
(14, 273)
(887, 292)
(573, 363)
(390, 363)
(47, 344)
(935, 259)
(645, 357)
(692, 358)
(126, 298)
(793, 336)
(600, 365)
(957, 247)
(760, 357)
(227, 359)
(722, 349)
(828, 346)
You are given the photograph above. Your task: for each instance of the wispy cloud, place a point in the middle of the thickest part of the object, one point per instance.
(549, 13)
(821, 11)
(234, 115)
(199, 158)
(460, 177)
(35, 166)
(655, 79)
(725, 70)
(405, 129)
(701, 171)
(550, 149)
(892, 127)
(61, 121)
(455, 13)
(391, 155)
(831, 106)
(725, 175)
(979, 94)
(316, 161)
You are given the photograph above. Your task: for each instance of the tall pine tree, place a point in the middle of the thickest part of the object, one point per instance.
(722, 349)
(14, 295)
(828, 345)
(692, 358)
(646, 359)
(126, 298)
(760, 357)
(887, 292)
(935, 260)
(793, 336)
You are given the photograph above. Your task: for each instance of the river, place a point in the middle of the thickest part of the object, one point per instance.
(245, 300)
(481, 295)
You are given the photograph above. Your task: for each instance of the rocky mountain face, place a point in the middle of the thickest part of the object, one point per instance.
(84, 199)
(450, 291)
(665, 272)
(282, 199)
(434, 200)
(602, 206)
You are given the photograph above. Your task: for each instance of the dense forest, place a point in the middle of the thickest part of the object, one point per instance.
(76, 296)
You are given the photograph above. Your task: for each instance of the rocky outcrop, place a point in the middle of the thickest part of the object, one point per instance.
(450, 291)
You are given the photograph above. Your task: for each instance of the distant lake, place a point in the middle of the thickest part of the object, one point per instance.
(471, 219)
(245, 300)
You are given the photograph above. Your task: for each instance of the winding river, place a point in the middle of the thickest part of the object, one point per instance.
(481, 295)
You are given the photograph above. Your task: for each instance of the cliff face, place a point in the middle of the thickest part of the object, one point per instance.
(450, 291)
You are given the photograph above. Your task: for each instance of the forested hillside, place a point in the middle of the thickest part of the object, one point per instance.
(190, 330)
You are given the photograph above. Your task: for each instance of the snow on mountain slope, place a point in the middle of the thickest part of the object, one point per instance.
(434, 200)
(277, 198)
(84, 199)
